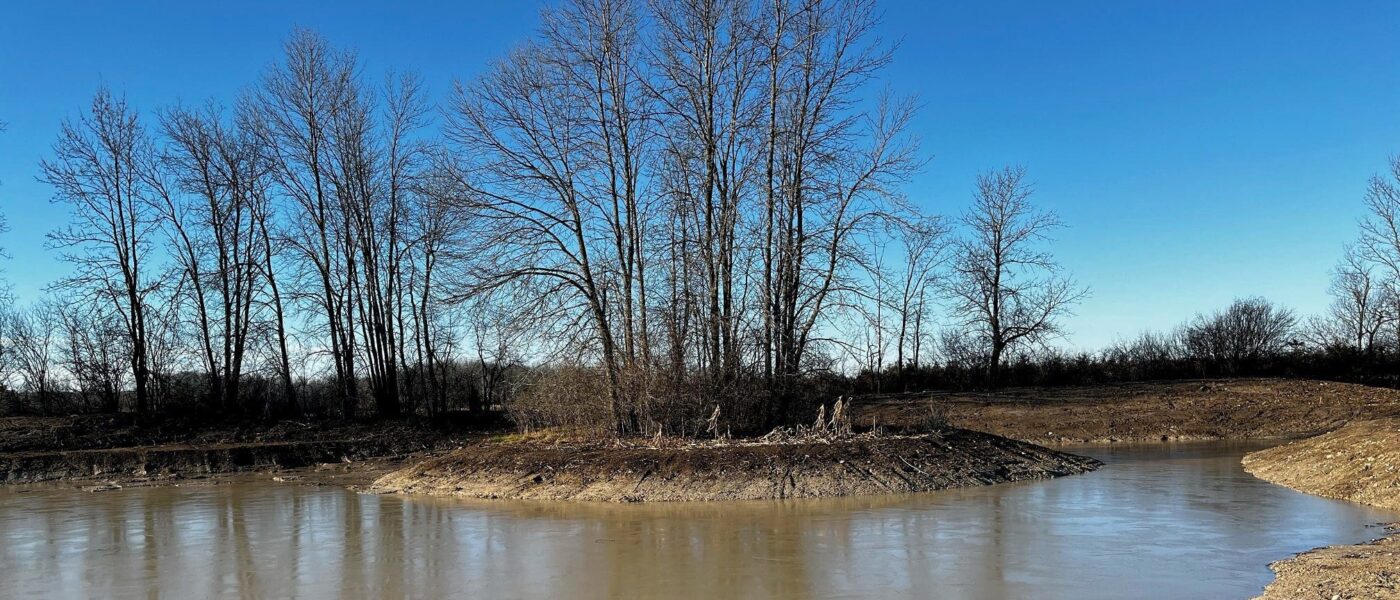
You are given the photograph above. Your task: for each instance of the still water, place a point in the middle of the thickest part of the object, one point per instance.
(1160, 521)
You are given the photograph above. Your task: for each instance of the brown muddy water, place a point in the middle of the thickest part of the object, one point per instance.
(1159, 521)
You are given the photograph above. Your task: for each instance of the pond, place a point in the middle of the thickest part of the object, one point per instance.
(1159, 521)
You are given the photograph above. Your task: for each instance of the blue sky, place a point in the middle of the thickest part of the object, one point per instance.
(1198, 151)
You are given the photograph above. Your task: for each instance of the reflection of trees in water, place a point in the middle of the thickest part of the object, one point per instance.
(1036, 538)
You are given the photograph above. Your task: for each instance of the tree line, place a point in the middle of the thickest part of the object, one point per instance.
(643, 214)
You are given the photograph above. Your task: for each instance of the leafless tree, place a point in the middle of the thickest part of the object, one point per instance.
(1005, 286)
(1380, 236)
(1250, 330)
(210, 202)
(34, 335)
(94, 350)
(1361, 305)
(554, 134)
(299, 102)
(925, 252)
(100, 169)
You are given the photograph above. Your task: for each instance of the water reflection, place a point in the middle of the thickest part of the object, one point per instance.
(1159, 521)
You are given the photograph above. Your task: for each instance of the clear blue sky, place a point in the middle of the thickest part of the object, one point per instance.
(1198, 150)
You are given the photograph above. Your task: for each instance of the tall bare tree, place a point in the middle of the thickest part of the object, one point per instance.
(1361, 305)
(1006, 286)
(555, 133)
(100, 169)
(217, 176)
(925, 252)
(300, 105)
(1380, 236)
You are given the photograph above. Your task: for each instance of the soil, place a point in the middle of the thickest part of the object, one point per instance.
(1361, 463)
(120, 450)
(856, 465)
(1370, 570)
(1153, 411)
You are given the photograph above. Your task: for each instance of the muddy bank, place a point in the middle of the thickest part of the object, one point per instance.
(123, 449)
(1361, 463)
(1159, 411)
(106, 431)
(151, 464)
(734, 471)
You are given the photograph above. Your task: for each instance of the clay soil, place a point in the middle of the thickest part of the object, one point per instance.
(858, 465)
(1167, 411)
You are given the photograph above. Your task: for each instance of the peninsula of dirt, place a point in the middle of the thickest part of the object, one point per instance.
(857, 465)
(1218, 409)
(1361, 463)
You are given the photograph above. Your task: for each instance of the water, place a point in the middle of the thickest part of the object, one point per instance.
(1158, 522)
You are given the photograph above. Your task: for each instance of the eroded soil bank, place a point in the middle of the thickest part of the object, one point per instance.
(1223, 409)
(119, 449)
(734, 471)
(1361, 463)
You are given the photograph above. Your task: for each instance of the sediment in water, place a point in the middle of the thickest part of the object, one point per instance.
(734, 471)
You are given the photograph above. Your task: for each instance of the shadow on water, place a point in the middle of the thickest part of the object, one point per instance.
(1160, 521)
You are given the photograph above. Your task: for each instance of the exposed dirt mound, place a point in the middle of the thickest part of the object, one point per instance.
(1359, 462)
(1186, 410)
(738, 471)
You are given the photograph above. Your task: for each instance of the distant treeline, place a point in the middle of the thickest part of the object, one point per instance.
(1251, 338)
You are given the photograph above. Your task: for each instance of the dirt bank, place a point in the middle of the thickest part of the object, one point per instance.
(122, 449)
(156, 463)
(1361, 463)
(1370, 570)
(733, 471)
(1186, 410)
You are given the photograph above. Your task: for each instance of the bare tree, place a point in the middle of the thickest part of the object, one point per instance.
(1005, 286)
(93, 352)
(1250, 330)
(1361, 305)
(34, 338)
(100, 170)
(210, 208)
(299, 104)
(1380, 236)
(925, 252)
(560, 191)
